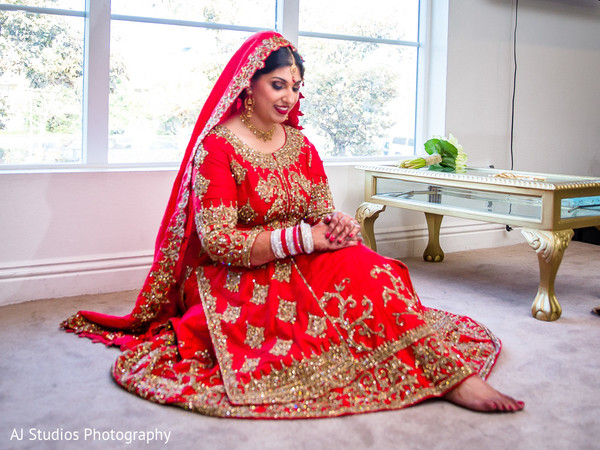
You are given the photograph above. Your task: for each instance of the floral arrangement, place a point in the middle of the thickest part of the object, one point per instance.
(445, 155)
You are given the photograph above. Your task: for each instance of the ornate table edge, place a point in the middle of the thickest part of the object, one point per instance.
(578, 181)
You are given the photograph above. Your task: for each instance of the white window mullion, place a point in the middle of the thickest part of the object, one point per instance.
(96, 82)
(287, 19)
(433, 49)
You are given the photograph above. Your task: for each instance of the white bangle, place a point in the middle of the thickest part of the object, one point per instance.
(276, 244)
(289, 240)
(307, 239)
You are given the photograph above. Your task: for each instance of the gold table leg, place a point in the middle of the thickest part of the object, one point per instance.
(366, 214)
(433, 252)
(549, 246)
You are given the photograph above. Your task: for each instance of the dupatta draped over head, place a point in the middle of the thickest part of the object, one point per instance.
(176, 240)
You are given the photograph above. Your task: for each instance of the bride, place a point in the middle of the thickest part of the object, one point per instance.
(262, 301)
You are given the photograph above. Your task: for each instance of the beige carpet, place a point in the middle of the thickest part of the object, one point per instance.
(55, 386)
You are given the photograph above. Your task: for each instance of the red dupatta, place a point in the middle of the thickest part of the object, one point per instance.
(157, 301)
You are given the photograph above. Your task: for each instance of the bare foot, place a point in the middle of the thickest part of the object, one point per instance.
(477, 395)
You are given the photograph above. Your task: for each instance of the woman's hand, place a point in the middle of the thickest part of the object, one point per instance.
(336, 231)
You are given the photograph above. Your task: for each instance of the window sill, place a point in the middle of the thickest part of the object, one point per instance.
(87, 168)
(164, 166)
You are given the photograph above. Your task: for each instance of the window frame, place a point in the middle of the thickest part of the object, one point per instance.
(95, 114)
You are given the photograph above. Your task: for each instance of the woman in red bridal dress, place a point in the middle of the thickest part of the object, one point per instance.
(261, 301)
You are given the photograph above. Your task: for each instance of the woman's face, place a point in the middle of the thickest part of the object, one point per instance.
(275, 94)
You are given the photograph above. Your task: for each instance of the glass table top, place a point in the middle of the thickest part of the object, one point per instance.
(495, 176)
(522, 206)
(518, 195)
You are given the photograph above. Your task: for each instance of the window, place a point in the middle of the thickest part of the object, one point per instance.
(361, 75)
(162, 58)
(41, 81)
(163, 65)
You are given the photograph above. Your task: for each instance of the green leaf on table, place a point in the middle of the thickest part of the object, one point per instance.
(447, 151)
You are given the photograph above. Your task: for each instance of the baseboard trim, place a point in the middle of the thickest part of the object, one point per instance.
(68, 277)
(100, 274)
(411, 242)
(45, 268)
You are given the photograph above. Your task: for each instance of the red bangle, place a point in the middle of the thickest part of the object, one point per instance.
(299, 249)
(286, 250)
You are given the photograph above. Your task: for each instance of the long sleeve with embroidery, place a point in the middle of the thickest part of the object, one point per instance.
(239, 192)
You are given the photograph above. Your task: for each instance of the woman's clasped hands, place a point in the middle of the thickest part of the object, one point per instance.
(336, 231)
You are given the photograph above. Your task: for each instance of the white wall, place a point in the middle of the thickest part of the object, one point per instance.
(69, 233)
(64, 234)
(557, 114)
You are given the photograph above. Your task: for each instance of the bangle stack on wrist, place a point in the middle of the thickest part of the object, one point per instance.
(292, 241)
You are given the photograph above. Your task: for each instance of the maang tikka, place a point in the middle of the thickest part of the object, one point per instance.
(293, 67)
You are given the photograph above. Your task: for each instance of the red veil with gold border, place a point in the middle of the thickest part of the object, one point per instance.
(157, 300)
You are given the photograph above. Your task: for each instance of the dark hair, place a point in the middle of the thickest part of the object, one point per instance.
(280, 58)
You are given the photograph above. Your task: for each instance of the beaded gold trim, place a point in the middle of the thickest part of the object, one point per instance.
(285, 157)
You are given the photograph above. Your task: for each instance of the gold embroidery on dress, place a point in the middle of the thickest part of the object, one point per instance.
(286, 156)
(359, 324)
(268, 188)
(200, 185)
(410, 300)
(282, 222)
(316, 326)
(439, 363)
(250, 364)
(80, 324)
(453, 330)
(398, 317)
(271, 191)
(283, 271)
(360, 394)
(299, 184)
(321, 202)
(335, 368)
(232, 313)
(233, 281)
(220, 238)
(311, 381)
(287, 192)
(286, 311)
(299, 195)
(293, 146)
(206, 356)
(209, 302)
(259, 294)
(255, 336)
(162, 278)
(393, 381)
(239, 173)
(214, 398)
(246, 214)
(200, 155)
(281, 347)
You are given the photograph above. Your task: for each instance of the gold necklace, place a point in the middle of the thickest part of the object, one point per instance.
(264, 135)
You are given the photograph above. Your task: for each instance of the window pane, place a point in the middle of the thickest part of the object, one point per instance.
(40, 88)
(160, 78)
(258, 13)
(77, 5)
(388, 19)
(360, 97)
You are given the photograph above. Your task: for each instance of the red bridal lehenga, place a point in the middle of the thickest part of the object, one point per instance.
(316, 335)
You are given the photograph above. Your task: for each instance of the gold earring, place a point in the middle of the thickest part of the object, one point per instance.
(248, 106)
